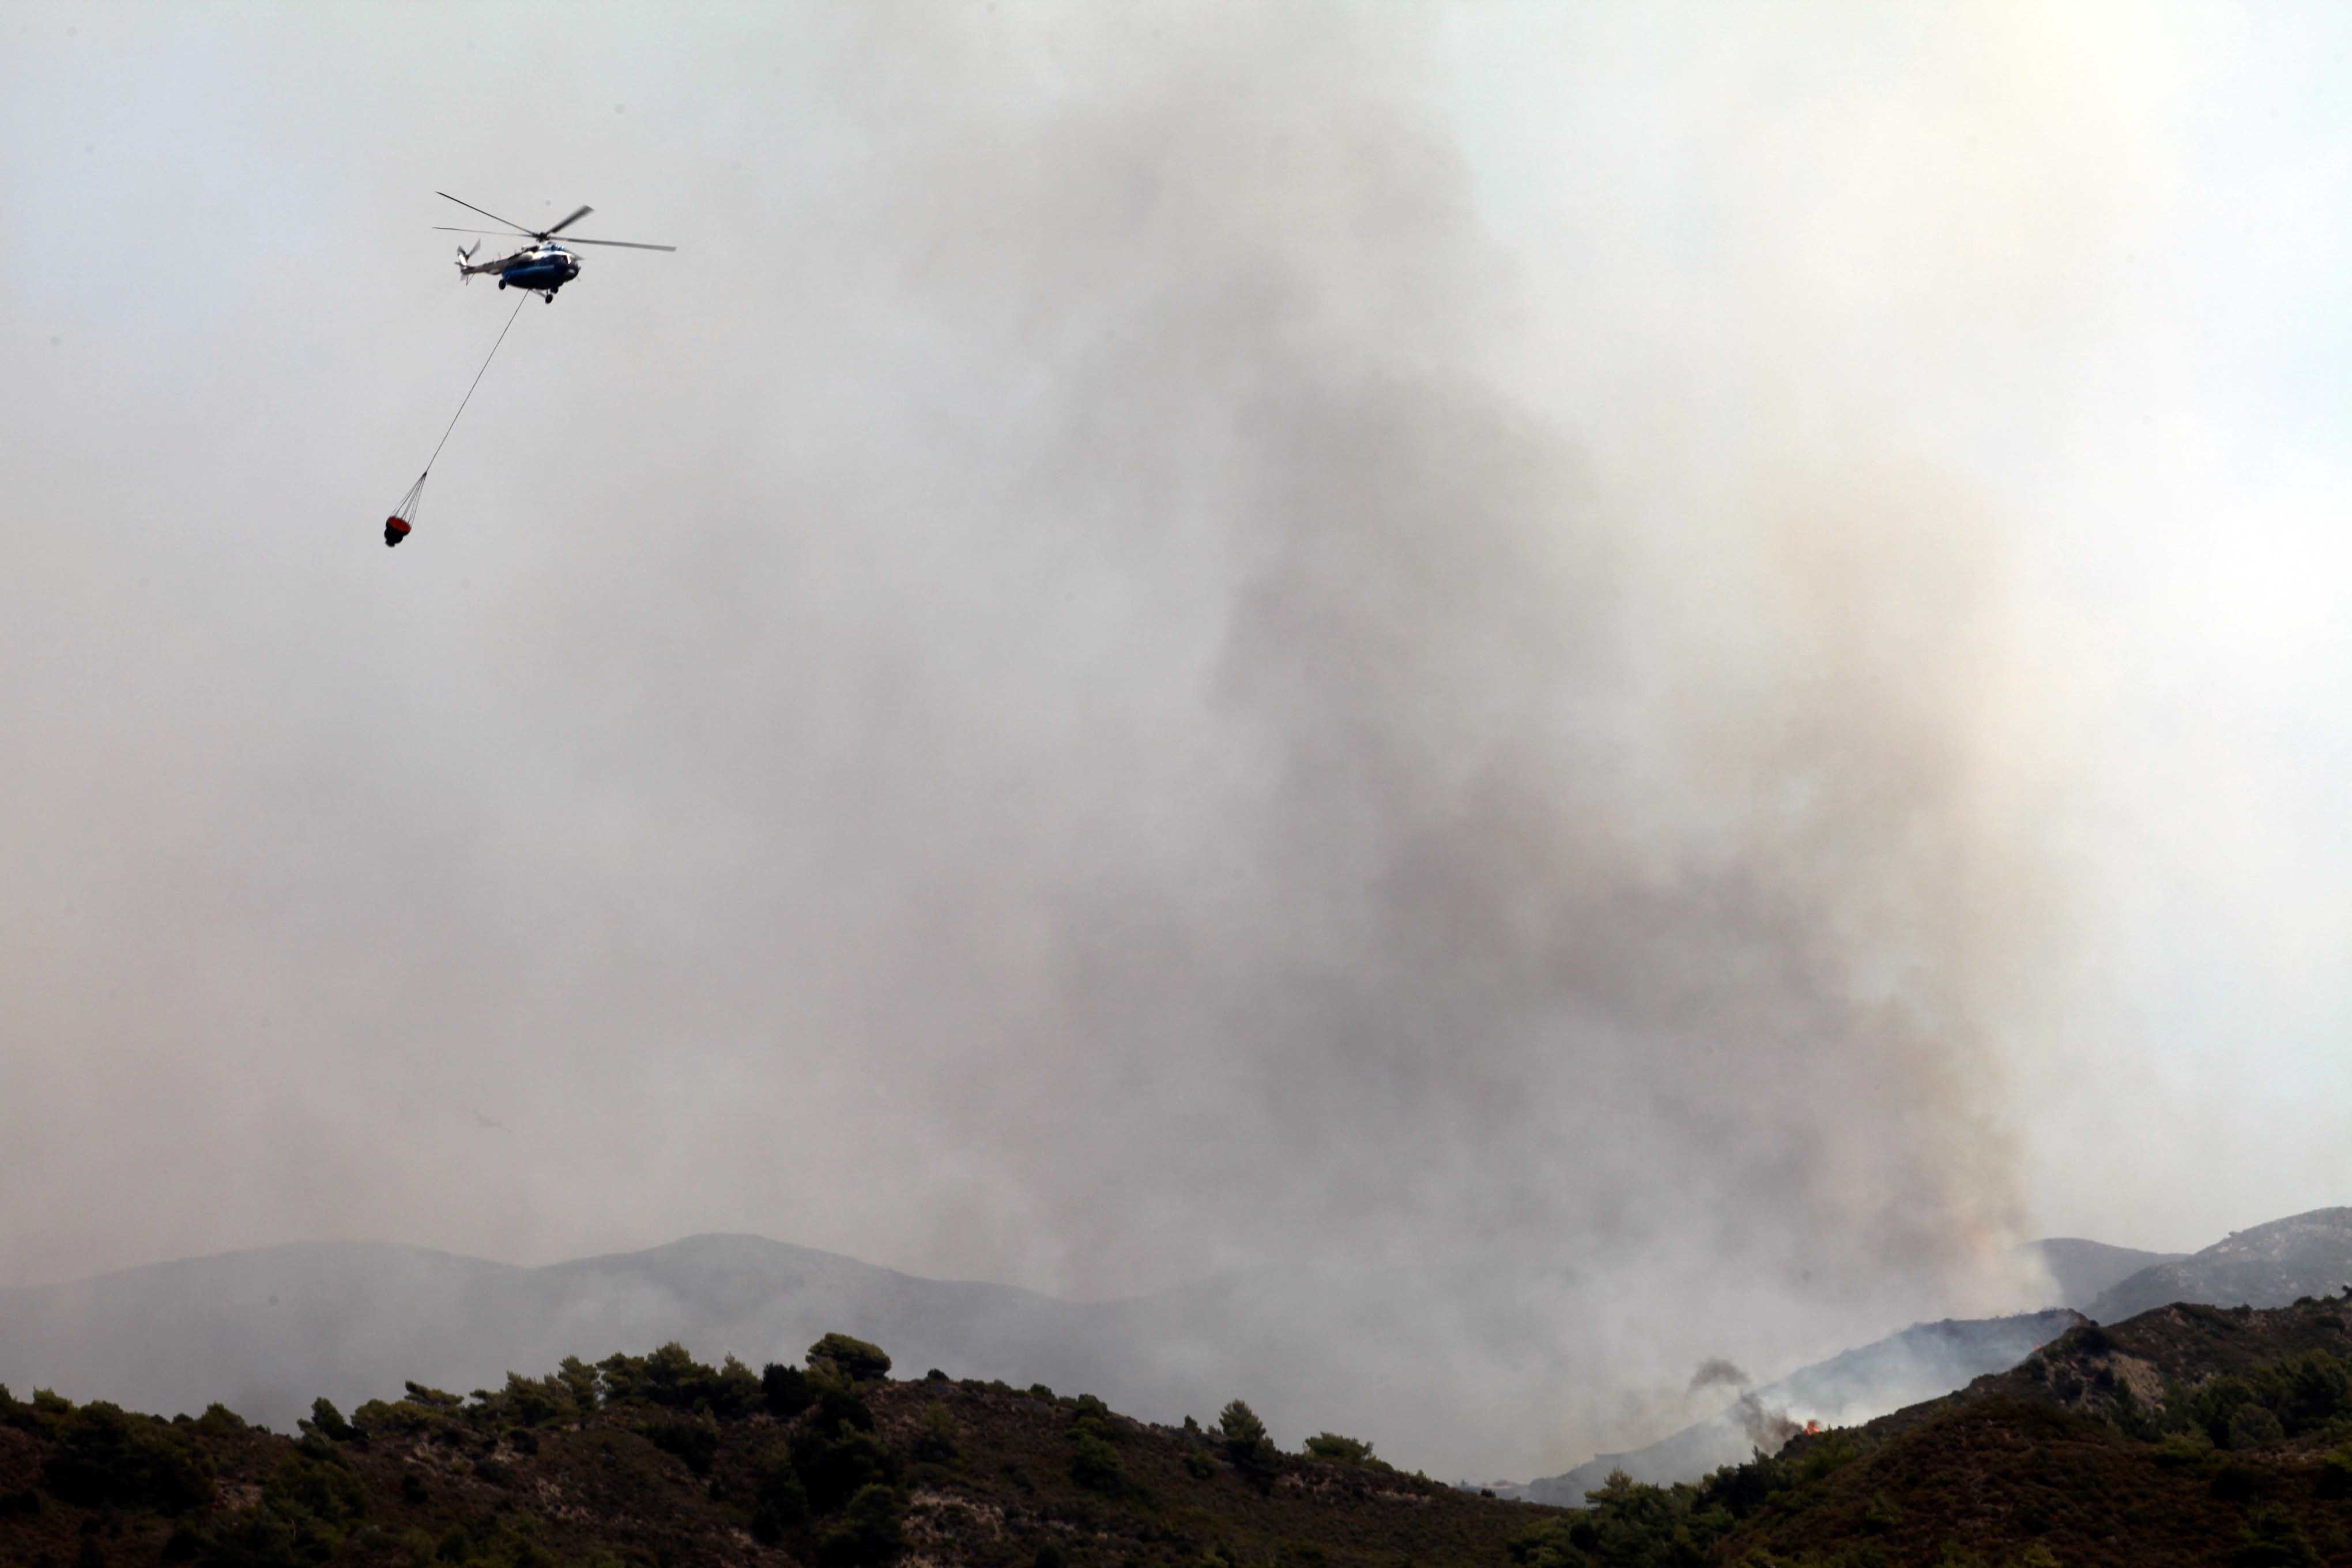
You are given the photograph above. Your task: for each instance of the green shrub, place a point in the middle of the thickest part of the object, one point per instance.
(785, 1391)
(256, 1538)
(1548, 1545)
(1740, 1491)
(935, 1444)
(2271, 1538)
(1332, 1448)
(837, 1407)
(327, 1491)
(1095, 1465)
(2133, 1419)
(691, 1441)
(851, 1358)
(2236, 1482)
(2213, 1402)
(220, 1421)
(535, 1401)
(1831, 1454)
(834, 1469)
(779, 1500)
(2179, 1450)
(1247, 1448)
(871, 1530)
(103, 1457)
(2311, 1390)
(1238, 1425)
(2335, 1478)
(734, 1391)
(2251, 1425)
(672, 1380)
(582, 1382)
(328, 1422)
(409, 1418)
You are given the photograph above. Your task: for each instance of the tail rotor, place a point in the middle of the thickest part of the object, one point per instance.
(465, 256)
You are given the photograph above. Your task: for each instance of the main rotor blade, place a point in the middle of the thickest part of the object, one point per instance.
(624, 244)
(529, 233)
(567, 223)
(446, 228)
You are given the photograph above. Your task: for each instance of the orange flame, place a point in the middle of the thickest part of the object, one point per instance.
(1812, 1426)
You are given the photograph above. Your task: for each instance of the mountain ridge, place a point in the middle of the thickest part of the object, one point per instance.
(263, 1331)
(2266, 1264)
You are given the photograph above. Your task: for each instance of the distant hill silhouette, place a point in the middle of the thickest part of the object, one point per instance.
(2268, 1265)
(266, 1331)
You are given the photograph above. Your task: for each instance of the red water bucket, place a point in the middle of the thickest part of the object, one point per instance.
(395, 528)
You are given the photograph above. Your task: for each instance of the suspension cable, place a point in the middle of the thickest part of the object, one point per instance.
(477, 381)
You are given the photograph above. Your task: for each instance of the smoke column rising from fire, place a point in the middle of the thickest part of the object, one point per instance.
(1191, 640)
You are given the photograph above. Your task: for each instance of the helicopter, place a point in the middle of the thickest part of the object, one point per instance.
(543, 265)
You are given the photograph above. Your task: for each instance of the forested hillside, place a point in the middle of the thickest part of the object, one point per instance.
(2189, 1435)
(662, 1460)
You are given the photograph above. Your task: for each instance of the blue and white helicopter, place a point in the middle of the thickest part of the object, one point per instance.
(543, 265)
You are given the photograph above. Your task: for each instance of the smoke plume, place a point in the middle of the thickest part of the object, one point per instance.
(1715, 1372)
(1767, 1429)
(1125, 673)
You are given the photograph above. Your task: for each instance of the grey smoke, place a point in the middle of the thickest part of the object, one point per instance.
(1717, 1372)
(1105, 685)
(1765, 1429)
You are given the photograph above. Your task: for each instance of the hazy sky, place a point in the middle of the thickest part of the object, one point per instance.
(1708, 642)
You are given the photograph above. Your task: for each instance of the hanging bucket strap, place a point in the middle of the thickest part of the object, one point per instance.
(404, 516)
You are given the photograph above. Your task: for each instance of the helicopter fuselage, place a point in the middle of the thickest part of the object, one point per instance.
(545, 268)
(544, 265)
